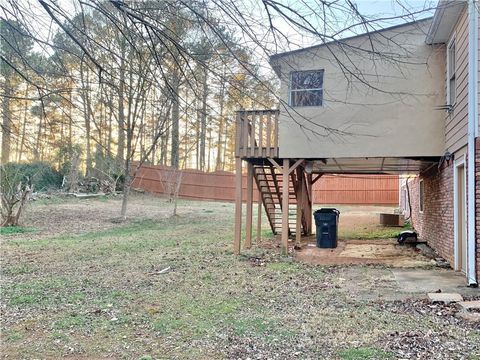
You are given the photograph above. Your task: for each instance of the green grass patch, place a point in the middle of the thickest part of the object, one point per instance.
(366, 353)
(289, 267)
(42, 291)
(373, 232)
(20, 269)
(252, 326)
(9, 230)
(12, 335)
(379, 232)
(60, 336)
(71, 321)
(55, 200)
(167, 325)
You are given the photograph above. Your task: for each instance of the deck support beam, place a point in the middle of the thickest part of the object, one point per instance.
(297, 164)
(300, 205)
(238, 206)
(285, 196)
(309, 204)
(249, 220)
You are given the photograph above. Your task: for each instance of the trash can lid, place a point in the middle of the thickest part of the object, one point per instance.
(328, 210)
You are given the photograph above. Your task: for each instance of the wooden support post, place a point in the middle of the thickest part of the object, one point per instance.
(259, 218)
(300, 203)
(285, 182)
(310, 204)
(248, 236)
(238, 206)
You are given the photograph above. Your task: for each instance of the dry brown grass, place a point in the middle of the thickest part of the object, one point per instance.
(82, 286)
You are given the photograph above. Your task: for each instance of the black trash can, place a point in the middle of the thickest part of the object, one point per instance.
(326, 221)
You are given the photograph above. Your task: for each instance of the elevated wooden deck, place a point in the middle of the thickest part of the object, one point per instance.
(284, 187)
(256, 134)
(285, 184)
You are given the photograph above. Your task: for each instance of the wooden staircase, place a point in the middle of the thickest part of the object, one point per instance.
(269, 181)
(256, 142)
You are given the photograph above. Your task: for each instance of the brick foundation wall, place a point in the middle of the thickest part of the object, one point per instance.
(435, 224)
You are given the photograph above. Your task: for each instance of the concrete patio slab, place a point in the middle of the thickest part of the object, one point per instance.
(470, 311)
(470, 305)
(351, 252)
(446, 298)
(432, 280)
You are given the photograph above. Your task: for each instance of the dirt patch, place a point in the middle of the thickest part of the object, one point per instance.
(359, 222)
(64, 215)
(349, 252)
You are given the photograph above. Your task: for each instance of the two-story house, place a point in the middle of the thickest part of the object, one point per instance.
(401, 100)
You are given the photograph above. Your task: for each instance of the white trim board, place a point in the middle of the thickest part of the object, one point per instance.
(458, 163)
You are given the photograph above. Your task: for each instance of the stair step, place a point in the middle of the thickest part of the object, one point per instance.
(270, 184)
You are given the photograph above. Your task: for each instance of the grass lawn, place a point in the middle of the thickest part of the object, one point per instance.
(90, 288)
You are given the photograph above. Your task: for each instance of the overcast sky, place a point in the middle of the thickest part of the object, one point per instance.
(397, 10)
(393, 11)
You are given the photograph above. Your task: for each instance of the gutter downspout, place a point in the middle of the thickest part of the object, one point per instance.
(472, 122)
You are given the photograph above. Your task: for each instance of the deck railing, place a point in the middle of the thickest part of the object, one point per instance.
(257, 134)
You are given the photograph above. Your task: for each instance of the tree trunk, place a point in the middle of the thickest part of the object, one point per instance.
(70, 126)
(24, 127)
(154, 132)
(109, 134)
(86, 114)
(175, 120)
(126, 187)
(6, 122)
(127, 183)
(186, 142)
(203, 124)
(197, 137)
(225, 146)
(221, 122)
(164, 146)
(209, 147)
(36, 151)
(121, 113)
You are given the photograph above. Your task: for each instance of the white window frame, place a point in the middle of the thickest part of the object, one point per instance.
(421, 196)
(451, 76)
(290, 90)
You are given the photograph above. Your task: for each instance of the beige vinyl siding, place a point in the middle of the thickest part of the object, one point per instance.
(456, 123)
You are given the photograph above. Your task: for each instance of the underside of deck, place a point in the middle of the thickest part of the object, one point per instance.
(285, 184)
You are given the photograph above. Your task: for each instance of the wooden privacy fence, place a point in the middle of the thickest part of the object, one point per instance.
(220, 186)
